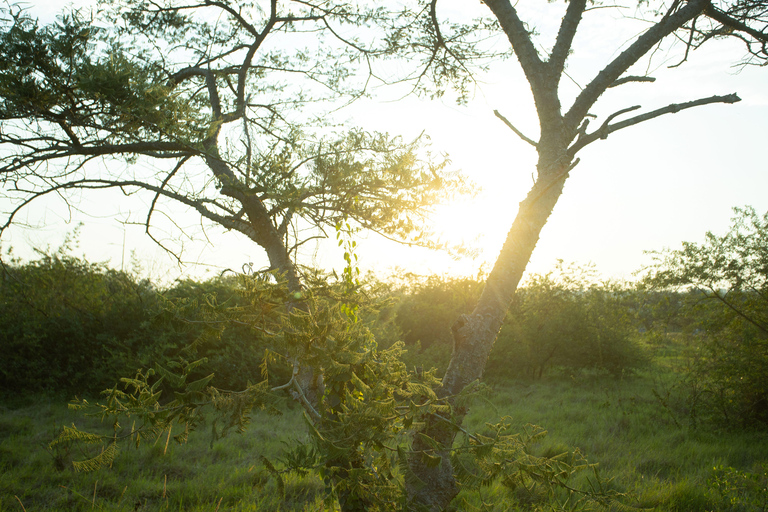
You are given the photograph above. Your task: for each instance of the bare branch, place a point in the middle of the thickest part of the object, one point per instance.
(517, 132)
(568, 27)
(688, 44)
(98, 184)
(603, 130)
(606, 129)
(519, 37)
(628, 79)
(667, 25)
(716, 14)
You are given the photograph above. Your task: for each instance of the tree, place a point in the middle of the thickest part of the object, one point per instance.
(116, 122)
(726, 280)
(212, 115)
(562, 136)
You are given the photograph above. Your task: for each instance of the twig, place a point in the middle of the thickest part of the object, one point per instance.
(603, 130)
(517, 132)
(299, 393)
(20, 503)
(627, 79)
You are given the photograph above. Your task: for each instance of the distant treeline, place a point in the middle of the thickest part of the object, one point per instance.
(71, 327)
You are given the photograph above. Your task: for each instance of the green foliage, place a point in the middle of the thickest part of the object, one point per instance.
(71, 326)
(426, 309)
(358, 428)
(203, 319)
(58, 73)
(739, 490)
(137, 80)
(426, 313)
(506, 456)
(726, 283)
(566, 319)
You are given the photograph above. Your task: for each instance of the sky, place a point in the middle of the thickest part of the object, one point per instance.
(648, 187)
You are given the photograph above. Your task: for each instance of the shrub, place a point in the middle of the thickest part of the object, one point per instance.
(426, 313)
(566, 319)
(726, 280)
(70, 325)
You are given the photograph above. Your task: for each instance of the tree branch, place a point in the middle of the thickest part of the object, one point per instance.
(611, 73)
(606, 129)
(716, 14)
(565, 35)
(153, 149)
(517, 132)
(226, 222)
(519, 37)
(628, 79)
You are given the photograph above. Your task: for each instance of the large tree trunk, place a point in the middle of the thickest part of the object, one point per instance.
(474, 334)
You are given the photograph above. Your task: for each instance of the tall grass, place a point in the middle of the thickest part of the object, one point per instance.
(225, 475)
(640, 428)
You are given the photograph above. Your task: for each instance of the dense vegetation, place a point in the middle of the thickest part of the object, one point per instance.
(234, 109)
(599, 362)
(74, 326)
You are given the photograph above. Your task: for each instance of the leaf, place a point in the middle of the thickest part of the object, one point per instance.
(276, 474)
(174, 380)
(199, 384)
(73, 434)
(432, 461)
(105, 458)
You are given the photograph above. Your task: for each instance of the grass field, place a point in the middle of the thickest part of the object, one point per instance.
(638, 428)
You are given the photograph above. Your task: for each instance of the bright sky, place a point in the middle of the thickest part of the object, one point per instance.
(644, 188)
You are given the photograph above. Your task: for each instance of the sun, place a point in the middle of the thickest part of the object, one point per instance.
(472, 231)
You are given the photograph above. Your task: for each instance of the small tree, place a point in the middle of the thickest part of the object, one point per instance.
(726, 278)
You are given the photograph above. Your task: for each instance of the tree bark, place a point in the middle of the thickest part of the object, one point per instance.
(475, 333)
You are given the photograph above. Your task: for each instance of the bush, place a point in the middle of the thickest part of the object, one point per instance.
(427, 312)
(199, 316)
(71, 326)
(566, 319)
(726, 282)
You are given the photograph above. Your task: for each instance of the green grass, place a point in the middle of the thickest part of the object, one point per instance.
(641, 432)
(638, 428)
(194, 476)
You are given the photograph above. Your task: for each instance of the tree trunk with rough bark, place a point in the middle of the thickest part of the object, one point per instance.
(562, 135)
(475, 333)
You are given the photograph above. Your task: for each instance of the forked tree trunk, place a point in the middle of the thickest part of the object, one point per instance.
(474, 334)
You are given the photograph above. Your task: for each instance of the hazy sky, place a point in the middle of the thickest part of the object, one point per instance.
(647, 187)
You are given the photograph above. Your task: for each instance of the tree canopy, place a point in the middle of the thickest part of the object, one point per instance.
(219, 107)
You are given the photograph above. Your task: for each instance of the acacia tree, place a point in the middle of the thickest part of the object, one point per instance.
(62, 114)
(205, 104)
(562, 135)
(216, 106)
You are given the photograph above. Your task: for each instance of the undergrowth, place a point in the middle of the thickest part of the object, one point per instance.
(639, 429)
